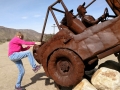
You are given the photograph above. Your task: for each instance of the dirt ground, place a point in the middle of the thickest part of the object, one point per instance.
(31, 80)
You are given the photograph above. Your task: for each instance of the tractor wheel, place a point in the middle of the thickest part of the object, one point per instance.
(65, 67)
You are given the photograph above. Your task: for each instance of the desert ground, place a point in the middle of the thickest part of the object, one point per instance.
(31, 80)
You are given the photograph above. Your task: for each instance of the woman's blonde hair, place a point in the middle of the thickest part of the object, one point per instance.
(19, 34)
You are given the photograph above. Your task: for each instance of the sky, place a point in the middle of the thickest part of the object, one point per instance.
(30, 14)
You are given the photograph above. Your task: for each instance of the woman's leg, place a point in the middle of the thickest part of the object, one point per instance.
(20, 55)
(21, 73)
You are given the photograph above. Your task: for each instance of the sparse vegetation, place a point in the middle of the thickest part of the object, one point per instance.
(6, 34)
(48, 36)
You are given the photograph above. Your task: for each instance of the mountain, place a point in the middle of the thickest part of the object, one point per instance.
(7, 33)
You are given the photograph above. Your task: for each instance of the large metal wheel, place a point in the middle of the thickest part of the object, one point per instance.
(66, 67)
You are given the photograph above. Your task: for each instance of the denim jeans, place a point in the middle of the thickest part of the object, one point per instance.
(16, 58)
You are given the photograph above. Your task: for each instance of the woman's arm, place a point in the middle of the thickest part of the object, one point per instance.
(25, 48)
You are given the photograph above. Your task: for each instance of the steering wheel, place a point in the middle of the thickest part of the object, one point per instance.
(106, 14)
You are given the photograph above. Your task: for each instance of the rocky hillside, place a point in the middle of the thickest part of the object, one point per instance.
(7, 33)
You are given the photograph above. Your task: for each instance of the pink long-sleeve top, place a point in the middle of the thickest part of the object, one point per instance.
(15, 45)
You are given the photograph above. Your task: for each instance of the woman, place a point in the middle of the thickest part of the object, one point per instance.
(16, 52)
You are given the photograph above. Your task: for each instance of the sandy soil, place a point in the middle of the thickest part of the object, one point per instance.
(31, 80)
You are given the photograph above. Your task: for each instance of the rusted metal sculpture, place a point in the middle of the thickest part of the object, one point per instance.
(89, 20)
(77, 48)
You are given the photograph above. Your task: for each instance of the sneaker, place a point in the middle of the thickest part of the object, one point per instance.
(37, 68)
(19, 88)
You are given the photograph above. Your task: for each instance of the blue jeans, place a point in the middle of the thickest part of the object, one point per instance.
(16, 58)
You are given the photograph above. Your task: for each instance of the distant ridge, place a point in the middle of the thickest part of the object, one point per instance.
(7, 33)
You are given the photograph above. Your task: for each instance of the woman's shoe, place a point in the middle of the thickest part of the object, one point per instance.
(37, 68)
(19, 88)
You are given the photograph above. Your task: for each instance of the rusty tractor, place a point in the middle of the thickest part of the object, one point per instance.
(76, 48)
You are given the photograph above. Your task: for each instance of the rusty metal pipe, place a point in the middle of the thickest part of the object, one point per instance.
(65, 8)
(49, 8)
(90, 3)
(55, 18)
(58, 10)
(112, 6)
(54, 4)
(44, 24)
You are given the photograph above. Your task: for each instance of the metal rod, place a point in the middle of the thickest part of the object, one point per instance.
(65, 8)
(55, 18)
(44, 24)
(43, 30)
(90, 3)
(54, 4)
(58, 10)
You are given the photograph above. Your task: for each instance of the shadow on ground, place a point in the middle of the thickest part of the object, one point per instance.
(38, 77)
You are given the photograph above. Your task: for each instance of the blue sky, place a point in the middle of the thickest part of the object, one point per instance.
(30, 14)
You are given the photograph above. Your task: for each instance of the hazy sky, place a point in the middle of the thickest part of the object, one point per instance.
(30, 14)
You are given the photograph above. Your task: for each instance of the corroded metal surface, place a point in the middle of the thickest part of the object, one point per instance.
(76, 48)
(89, 20)
(64, 67)
(115, 6)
